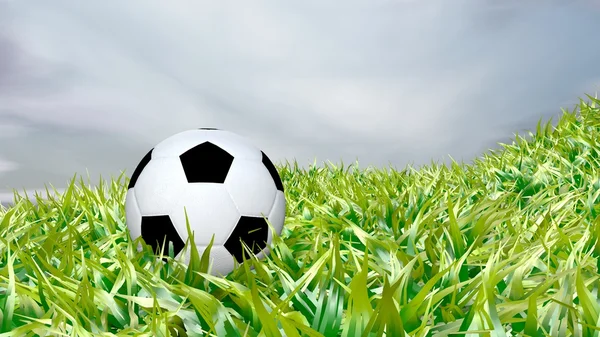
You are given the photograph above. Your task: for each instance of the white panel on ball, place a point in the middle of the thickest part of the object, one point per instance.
(133, 215)
(251, 187)
(159, 186)
(277, 215)
(209, 209)
(220, 258)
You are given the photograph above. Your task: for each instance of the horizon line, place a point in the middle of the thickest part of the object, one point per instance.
(7, 197)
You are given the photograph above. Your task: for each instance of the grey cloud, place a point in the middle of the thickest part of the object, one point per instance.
(95, 85)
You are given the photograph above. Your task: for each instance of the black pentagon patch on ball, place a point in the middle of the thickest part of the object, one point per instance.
(208, 129)
(159, 229)
(206, 163)
(253, 231)
(273, 171)
(138, 170)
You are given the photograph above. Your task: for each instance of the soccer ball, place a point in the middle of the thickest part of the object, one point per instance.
(225, 185)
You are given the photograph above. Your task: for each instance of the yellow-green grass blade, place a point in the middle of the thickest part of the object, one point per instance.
(387, 319)
(590, 309)
(359, 307)
(455, 235)
(7, 301)
(330, 303)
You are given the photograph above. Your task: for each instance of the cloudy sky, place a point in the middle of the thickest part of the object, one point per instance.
(94, 85)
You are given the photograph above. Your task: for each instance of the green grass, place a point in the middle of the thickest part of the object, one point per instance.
(507, 246)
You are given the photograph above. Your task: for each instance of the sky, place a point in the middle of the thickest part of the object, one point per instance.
(90, 87)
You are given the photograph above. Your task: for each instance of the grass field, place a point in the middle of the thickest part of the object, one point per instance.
(507, 246)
